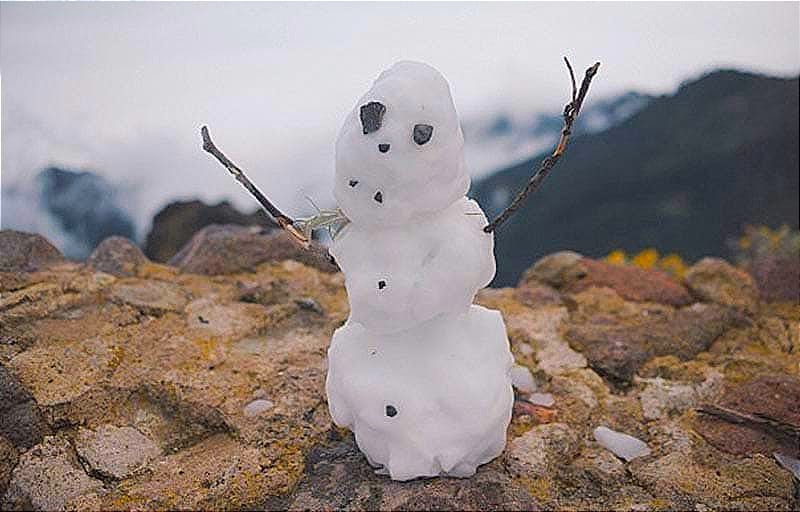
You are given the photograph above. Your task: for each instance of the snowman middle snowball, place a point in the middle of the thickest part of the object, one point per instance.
(418, 373)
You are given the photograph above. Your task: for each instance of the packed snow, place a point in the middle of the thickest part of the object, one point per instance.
(420, 374)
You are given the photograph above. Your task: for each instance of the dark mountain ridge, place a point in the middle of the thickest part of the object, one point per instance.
(684, 174)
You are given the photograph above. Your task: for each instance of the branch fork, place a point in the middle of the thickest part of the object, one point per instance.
(571, 111)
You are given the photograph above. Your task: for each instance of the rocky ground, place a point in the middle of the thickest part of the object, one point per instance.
(126, 384)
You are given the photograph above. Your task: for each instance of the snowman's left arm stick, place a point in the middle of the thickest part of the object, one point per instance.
(571, 111)
(283, 220)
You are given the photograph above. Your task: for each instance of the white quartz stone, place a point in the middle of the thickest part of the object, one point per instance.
(622, 445)
(543, 399)
(522, 379)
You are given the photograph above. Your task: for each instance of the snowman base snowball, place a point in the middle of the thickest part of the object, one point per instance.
(432, 400)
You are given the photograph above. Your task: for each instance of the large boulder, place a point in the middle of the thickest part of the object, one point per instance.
(117, 256)
(570, 272)
(716, 280)
(228, 249)
(777, 276)
(177, 222)
(24, 252)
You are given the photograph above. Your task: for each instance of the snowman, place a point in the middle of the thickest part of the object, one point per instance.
(419, 373)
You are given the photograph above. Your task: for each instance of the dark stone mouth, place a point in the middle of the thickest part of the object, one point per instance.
(383, 148)
(381, 284)
(378, 196)
(353, 183)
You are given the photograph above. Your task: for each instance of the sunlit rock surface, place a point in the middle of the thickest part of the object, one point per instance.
(153, 391)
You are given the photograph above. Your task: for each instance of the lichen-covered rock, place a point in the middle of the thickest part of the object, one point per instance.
(716, 280)
(114, 452)
(8, 461)
(47, 477)
(150, 297)
(21, 422)
(177, 390)
(534, 452)
(558, 270)
(617, 344)
(717, 481)
(117, 256)
(25, 252)
(777, 277)
(339, 478)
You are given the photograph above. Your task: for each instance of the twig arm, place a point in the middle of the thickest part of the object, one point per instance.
(283, 220)
(571, 111)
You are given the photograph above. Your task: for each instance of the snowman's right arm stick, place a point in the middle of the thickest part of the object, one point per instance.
(283, 220)
(317, 252)
(571, 111)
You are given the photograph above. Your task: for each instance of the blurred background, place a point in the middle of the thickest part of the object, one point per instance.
(689, 135)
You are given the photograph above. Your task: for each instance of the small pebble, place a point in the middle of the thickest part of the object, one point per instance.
(622, 445)
(422, 133)
(543, 399)
(522, 379)
(257, 407)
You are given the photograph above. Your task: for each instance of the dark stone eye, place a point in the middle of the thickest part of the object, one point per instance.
(378, 196)
(383, 148)
(391, 411)
(372, 116)
(422, 133)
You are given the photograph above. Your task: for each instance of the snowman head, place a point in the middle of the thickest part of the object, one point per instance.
(400, 153)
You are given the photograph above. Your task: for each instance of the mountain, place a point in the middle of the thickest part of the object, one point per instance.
(78, 209)
(503, 139)
(684, 174)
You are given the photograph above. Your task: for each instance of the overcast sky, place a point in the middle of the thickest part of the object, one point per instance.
(123, 87)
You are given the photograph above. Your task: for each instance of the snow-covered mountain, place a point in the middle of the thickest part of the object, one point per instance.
(503, 139)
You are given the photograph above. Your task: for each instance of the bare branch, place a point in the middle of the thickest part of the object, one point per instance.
(571, 111)
(572, 78)
(283, 220)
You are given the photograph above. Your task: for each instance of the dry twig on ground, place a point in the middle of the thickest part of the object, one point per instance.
(571, 111)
